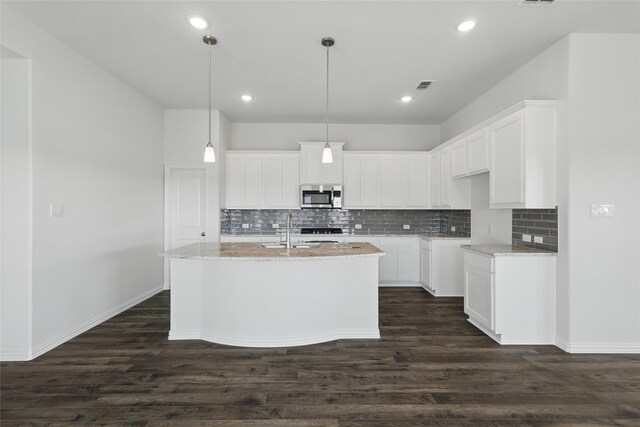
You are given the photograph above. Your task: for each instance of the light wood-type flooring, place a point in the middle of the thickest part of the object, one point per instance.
(431, 367)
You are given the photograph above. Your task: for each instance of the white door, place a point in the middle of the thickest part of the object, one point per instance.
(425, 267)
(187, 205)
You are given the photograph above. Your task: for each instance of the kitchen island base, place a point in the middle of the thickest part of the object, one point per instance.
(274, 303)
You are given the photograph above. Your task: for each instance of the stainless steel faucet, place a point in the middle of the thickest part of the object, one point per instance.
(289, 224)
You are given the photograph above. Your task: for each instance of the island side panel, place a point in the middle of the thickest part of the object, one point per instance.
(287, 303)
(186, 298)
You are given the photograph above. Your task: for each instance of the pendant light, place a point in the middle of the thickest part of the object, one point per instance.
(209, 154)
(327, 157)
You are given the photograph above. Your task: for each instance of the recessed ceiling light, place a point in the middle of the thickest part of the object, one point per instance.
(406, 99)
(467, 25)
(198, 22)
(246, 98)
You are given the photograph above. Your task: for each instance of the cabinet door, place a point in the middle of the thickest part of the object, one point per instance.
(369, 182)
(459, 159)
(478, 295)
(273, 182)
(415, 182)
(506, 161)
(388, 267)
(409, 262)
(352, 182)
(236, 168)
(253, 182)
(391, 182)
(310, 163)
(425, 267)
(445, 178)
(478, 152)
(291, 184)
(435, 179)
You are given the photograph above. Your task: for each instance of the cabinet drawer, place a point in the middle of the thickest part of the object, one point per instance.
(480, 262)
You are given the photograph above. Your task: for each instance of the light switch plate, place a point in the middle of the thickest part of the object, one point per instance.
(453, 229)
(56, 209)
(602, 211)
(245, 225)
(526, 238)
(358, 226)
(406, 227)
(538, 239)
(275, 225)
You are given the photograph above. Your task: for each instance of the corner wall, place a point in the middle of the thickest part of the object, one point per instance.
(96, 149)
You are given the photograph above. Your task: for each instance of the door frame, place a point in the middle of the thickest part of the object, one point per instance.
(168, 184)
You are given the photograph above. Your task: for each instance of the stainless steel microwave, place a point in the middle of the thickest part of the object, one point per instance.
(321, 196)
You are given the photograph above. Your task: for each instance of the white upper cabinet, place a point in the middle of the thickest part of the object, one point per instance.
(435, 179)
(377, 180)
(459, 159)
(477, 152)
(257, 180)
(522, 157)
(445, 177)
(391, 180)
(313, 171)
(447, 193)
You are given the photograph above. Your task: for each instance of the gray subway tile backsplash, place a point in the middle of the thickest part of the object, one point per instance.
(372, 221)
(535, 222)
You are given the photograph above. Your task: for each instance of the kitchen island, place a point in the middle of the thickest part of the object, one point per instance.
(244, 294)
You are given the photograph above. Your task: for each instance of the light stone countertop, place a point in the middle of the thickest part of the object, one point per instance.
(253, 252)
(443, 236)
(506, 250)
(298, 236)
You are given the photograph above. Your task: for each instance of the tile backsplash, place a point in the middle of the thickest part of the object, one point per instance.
(371, 221)
(535, 222)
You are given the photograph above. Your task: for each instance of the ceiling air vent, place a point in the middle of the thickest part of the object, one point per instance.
(534, 2)
(424, 84)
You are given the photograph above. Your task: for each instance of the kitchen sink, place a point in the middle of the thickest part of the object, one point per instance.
(293, 246)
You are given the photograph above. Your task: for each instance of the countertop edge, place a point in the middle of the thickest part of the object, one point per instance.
(480, 250)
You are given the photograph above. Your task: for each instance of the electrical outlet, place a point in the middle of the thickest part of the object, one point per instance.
(275, 225)
(453, 229)
(526, 237)
(406, 227)
(601, 211)
(56, 209)
(358, 226)
(245, 225)
(538, 239)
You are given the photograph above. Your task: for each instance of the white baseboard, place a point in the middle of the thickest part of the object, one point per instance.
(399, 284)
(276, 342)
(15, 356)
(601, 348)
(51, 344)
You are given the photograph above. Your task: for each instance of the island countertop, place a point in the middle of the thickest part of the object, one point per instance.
(253, 252)
(506, 250)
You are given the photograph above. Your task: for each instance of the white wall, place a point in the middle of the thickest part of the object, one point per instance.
(97, 149)
(488, 226)
(603, 167)
(358, 137)
(596, 78)
(15, 204)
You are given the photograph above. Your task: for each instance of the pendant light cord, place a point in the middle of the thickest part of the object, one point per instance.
(327, 105)
(209, 93)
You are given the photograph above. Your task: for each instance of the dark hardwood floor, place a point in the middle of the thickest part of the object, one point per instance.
(431, 367)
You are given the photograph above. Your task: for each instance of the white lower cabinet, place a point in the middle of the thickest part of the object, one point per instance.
(400, 266)
(441, 266)
(511, 298)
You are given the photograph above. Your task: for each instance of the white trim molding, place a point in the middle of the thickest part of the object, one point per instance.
(600, 348)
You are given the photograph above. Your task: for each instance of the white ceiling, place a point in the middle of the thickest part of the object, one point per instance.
(272, 51)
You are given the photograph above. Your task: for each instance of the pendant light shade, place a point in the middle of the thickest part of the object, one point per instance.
(327, 157)
(209, 154)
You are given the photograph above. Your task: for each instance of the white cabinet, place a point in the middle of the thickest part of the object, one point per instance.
(313, 171)
(477, 152)
(441, 266)
(446, 192)
(522, 166)
(257, 180)
(415, 186)
(511, 298)
(459, 159)
(397, 180)
(244, 181)
(400, 266)
(361, 181)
